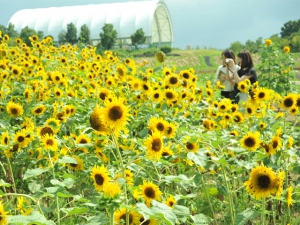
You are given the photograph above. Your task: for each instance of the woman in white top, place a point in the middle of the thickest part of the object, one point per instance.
(221, 73)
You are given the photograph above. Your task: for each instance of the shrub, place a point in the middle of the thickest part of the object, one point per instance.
(166, 49)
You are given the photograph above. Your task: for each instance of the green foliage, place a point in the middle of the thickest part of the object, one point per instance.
(138, 38)
(62, 37)
(108, 37)
(290, 27)
(71, 35)
(27, 32)
(85, 34)
(10, 30)
(166, 49)
(236, 46)
(275, 68)
(40, 34)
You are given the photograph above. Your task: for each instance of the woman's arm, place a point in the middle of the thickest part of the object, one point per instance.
(235, 76)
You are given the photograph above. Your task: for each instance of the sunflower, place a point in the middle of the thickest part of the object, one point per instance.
(5, 138)
(186, 74)
(262, 125)
(192, 147)
(160, 57)
(101, 155)
(286, 49)
(208, 124)
(157, 124)
(15, 70)
(243, 86)
(49, 142)
(251, 141)
(76, 166)
(279, 185)
(150, 221)
(100, 176)
(53, 123)
(294, 111)
(262, 182)
(238, 117)
(96, 122)
(14, 109)
(47, 129)
(170, 95)
(156, 95)
(146, 88)
(155, 145)
(111, 189)
(209, 92)
(83, 139)
(3, 215)
(170, 130)
(289, 196)
(275, 144)
(39, 110)
(261, 94)
(289, 101)
(234, 133)
(115, 114)
(268, 42)
(171, 201)
(120, 217)
(150, 191)
(20, 138)
(172, 80)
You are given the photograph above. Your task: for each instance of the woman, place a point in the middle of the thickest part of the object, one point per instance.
(245, 72)
(221, 73)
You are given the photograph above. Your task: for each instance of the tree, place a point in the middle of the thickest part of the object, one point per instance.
(85, 34)
(62, 37)
(10, 30)
(138, 38)
(237, 46)
(108, 37)
(3, 29)
(71, 35)
(40, 34)
(27, 32)
(290, 27)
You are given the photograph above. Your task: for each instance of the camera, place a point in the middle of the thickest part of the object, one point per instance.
(227, 61)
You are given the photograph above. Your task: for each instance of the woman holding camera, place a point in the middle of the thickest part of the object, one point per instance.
(245, 72)
(221, 73)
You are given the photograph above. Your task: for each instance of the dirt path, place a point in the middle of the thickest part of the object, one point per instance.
(207, 61)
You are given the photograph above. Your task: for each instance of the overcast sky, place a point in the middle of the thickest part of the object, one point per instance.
(203, 23)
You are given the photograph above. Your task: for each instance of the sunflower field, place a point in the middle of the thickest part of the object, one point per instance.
(100, 139)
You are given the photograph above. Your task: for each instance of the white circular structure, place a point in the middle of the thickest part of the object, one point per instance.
(127, 17)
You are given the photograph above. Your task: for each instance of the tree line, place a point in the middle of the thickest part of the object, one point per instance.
(108, 36)
(289, 36)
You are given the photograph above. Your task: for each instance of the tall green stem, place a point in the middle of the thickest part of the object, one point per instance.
(208, 199)
(11, 174)
(229, 196)
(111, 212)
(123, 173)
(262, 215)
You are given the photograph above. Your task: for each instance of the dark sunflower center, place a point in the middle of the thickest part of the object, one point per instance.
(189, 146)
(173, 80)
(169, 131)
(156, 145)
(261, 95)
(249, 110)
(156, 95)
(183, 95)
(6, 140)
(160, 126)
(149, 192)
(165, 154)
(21, 139)
(243, 86)
(73, 164)
(15, 71)
(83, 141)
(223, 107)
(249, 142)
(171, 203)
(50, 142)
(115, 113)
(186, 75)
(263, 181)
(38, 110)
(123, 217)
(99, 179)
(46, 130)
(275, 144)
(102, 96)
(237, 119)
(288, 102)
(146, 88)
(14, 111)
(169, 95)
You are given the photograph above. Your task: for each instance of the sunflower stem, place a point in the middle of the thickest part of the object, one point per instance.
(123, 173)
(229, 195)
(262, 215)
(288, 217)
(208, 199)
(11, 174)
(26, 196)
(274, 211)
(111, 212)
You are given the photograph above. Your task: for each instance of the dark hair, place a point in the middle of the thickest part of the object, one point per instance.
(229, 54)
(246, 59)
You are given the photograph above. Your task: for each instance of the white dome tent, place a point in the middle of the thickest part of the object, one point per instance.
(127, 17)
